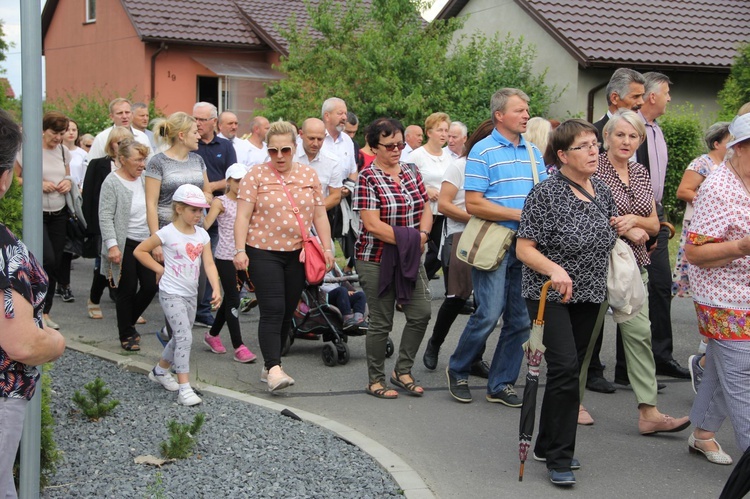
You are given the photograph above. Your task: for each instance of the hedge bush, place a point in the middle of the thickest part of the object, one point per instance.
(736, 89)
(11, 208)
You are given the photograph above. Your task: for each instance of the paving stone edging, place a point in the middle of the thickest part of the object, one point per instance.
(405, 476)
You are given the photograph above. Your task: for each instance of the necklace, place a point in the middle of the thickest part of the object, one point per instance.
(731, 163)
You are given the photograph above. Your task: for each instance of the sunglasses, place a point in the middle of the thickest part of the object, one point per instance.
(87, 146)
(285, 151)
(392, 147)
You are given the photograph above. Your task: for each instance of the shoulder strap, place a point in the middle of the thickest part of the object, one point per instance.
(533, 163)
(585, 193)
(295, 210)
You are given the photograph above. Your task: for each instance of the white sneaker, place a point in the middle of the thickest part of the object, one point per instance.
(264, 376)
(188, 397)
(166, 380)
(277, 379)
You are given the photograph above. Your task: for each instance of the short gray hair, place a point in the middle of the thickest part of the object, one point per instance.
(211, 107)
(653, 80)
(629, 117)
(138, 105)
(620, 82)
(716, 133)
(329, 104)
(352, 118)
(464, 129)
(500, 99)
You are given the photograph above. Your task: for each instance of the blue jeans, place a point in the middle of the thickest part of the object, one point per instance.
(496, 293)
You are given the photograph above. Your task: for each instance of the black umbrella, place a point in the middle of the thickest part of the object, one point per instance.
(738, 483)
(534, 350)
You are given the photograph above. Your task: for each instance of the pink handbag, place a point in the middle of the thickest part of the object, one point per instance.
(312, 255)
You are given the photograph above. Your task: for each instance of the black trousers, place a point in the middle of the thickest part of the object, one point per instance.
(63, 276)
(135, 290)
(54, 232)
(432, 261)
(347, 304)
(279, 279)
(660, 295)
(99, 282)
(567, 332)
(228, 312)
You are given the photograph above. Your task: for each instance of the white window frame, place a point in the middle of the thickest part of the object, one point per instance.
(89, 5)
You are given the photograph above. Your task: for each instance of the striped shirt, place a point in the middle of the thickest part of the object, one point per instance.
(502, 171)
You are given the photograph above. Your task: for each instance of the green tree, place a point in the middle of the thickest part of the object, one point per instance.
(6, 103)
(386, 61)
(736, 91)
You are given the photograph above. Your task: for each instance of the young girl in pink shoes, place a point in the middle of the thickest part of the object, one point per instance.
(185, 247)
(224, 212)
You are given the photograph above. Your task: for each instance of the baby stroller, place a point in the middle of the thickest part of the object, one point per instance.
(315, 318)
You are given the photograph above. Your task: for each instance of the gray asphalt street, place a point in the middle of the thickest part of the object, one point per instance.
(461, 450)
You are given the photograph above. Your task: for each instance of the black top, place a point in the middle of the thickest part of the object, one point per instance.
(219, 154)
(96, 171)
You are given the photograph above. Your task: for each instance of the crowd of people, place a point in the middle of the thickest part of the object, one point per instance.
(198, 214)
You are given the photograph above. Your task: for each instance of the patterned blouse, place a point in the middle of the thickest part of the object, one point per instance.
(722, 294)
(635, 198)
(20, 272)
(273, 224)
(572, 233)
(399, 205)
(225, 247)
(702, 165)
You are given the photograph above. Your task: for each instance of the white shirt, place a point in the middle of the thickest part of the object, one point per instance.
(325, 164)
(432, 168)
(241, 147)
(256, 156)
(455, 174)
(182, 260)
(100, 142)
(405, 153)
(453, 155)
(343, 149)
(78, 165)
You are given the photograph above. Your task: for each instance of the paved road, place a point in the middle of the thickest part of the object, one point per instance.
(460, 450)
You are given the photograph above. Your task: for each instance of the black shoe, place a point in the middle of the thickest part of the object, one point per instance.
(458, 388)
(113, 294)
(67, 295)
(467, 309)
(600, 385)
(58, 290)
(562, 478)
(204, 321)
(480, 368)
(673, 369)
(624, 384)
(506, 396)
(430, 357)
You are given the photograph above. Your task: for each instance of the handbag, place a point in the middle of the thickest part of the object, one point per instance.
(626, 293)
(312, 255)
(484, 243)
(75, 233)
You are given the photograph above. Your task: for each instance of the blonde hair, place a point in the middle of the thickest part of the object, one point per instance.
(282, 128)
(167, 130)
(744, 109)
(435, 119)
(117, 135)
(127, 147)
(629, 117)
(538, 131)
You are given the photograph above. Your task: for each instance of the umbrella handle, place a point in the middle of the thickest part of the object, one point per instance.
(542, 302)
(520, 472)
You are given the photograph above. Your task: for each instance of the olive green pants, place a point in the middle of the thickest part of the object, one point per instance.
(381, 310)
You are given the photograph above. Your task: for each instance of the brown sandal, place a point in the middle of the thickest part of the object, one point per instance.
(131, 344)
(94, 310)
(410, 386)
(381, 393)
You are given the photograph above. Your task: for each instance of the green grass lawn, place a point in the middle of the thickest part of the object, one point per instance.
(674, 244)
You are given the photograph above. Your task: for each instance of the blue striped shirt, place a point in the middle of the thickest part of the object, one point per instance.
(502, 171)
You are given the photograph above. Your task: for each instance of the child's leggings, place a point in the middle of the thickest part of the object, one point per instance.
(180, 314)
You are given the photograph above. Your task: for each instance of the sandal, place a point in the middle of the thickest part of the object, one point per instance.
(410, 386)
(131, 344)
(140, 320)
(94, 310)
(382, 392)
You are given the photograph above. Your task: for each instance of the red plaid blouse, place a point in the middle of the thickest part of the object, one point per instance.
(399, 205)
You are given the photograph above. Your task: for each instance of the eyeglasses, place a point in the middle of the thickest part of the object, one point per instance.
(87, 146)
(203, 120)
(586, 147)
(285, 151)
(392, 147)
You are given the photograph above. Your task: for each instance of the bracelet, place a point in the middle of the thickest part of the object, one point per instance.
(329, 251)
(238, 251)
(425, 232)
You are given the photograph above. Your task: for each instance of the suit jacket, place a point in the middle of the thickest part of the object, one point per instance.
(599, 125)
(96, 171)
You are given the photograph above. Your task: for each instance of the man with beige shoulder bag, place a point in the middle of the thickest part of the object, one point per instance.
(501, 169)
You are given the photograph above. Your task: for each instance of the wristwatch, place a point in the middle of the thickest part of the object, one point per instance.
(425, 232)
(238, 251)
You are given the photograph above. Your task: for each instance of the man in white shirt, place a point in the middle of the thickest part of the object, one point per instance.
(457, 135)
(413, 137)
(258, 149)
(228, 124)
(141, 121)
(309, 152)
(336, 141)
(121, 114)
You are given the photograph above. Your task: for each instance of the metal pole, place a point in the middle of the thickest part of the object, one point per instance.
(31, 90)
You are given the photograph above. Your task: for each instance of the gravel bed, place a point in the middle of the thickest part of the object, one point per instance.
(242, 450)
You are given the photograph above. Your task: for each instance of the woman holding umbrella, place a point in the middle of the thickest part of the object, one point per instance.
(564, 238)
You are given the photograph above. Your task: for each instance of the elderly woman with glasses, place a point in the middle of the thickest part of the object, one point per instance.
(269, 238)
(395, 223)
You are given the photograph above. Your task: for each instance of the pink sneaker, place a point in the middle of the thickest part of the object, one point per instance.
(214, 343)
(244, 355)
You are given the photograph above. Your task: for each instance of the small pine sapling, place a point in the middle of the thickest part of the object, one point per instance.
(94, 406)
(182, 438)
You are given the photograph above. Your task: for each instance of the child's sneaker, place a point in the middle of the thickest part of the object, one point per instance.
(188, 397)
(214, 343)
(166, 380)
(244, 355)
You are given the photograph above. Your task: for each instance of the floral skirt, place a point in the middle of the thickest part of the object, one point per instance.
(680, 283)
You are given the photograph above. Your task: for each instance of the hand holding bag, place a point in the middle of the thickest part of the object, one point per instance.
(312, 255)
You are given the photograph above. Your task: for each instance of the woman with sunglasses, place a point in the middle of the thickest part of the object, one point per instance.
(394, 211)
(122, 221)
(268, 238)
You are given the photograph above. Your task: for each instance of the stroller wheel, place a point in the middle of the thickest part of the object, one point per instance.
(389, 348)
(343, 351)
(329, 355)
(287, 344)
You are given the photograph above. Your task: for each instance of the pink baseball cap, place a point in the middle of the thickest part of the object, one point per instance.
(190, 194)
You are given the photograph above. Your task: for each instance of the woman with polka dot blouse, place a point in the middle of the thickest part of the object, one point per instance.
(269, 241)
